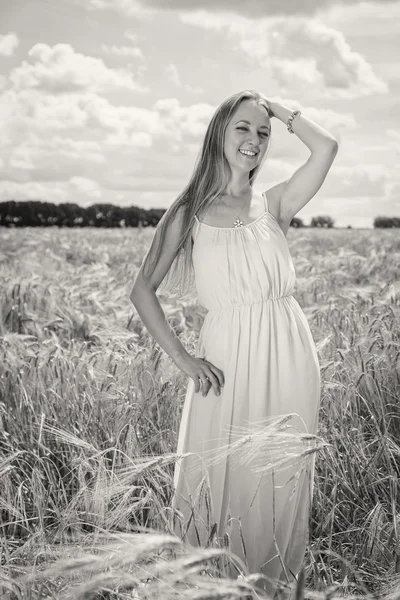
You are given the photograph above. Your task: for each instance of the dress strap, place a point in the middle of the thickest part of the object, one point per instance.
(265, 202)
(195, 228)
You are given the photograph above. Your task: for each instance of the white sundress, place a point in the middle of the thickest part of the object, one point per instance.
(257, 334)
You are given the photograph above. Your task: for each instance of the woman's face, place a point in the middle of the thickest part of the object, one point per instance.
(249, 129)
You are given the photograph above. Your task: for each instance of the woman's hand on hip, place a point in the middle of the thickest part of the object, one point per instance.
(204, 374)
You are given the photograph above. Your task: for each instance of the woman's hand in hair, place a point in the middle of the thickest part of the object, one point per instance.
(204, 374)
(271, 108)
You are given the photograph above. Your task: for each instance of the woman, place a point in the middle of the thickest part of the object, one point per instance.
(256, 357)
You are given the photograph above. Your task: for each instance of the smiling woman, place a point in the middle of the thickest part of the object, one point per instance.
(255, 357)
(246, 141)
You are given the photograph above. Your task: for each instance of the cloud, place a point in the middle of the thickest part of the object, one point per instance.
(132, 139)
(335, 122)
(394, 142)
(8, 43)
(179, 120)
(130, 35)
(297, 51)
(51, 138)
(364, 18)
(126, 182)
(126, 8)
(88, 187)
(78, 190)
(54, 158)
(21, 160)
(172, 73)
(394, 199)
(251, 8)
(85, 191)
(33, 190)
(32, 110)
(133, 51)
(3, 82)
(357, 180)
(59, 69)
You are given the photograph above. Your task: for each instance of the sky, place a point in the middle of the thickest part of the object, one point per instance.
(109, 100)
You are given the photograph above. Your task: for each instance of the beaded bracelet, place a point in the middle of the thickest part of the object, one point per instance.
(290, 119)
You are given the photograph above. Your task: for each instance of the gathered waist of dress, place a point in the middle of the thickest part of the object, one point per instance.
(244, 304)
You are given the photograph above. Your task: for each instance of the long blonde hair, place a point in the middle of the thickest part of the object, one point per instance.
(209, 180)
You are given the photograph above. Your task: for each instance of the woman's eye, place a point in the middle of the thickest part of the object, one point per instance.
(245, 129)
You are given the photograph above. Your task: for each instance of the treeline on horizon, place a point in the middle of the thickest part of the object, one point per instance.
(35, 213)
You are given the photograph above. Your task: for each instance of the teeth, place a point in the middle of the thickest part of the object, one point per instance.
(247, 152)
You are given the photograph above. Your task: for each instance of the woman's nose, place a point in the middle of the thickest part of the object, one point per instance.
(254, 138)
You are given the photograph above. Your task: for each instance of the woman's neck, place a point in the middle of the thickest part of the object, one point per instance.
(238, 186)
(237, 194)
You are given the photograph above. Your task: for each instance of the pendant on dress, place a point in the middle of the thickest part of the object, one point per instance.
(238, 223)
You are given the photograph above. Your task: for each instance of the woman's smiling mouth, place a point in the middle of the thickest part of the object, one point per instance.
(248, 153)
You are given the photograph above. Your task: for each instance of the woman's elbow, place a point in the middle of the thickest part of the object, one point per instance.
(139, 287)
(136, 290)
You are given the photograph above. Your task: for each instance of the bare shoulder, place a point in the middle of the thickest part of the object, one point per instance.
(173, 221)
(166, 249)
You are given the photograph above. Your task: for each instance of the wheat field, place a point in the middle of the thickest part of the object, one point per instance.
(90, 409)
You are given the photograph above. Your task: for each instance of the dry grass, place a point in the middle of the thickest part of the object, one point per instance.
(90, 409)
